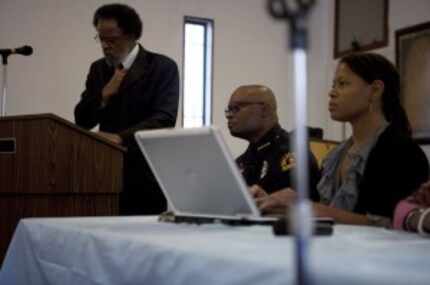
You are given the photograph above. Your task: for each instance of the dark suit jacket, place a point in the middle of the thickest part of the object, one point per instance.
(147, 99)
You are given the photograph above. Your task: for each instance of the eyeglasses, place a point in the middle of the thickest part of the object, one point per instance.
(234, 109)
(109, 40)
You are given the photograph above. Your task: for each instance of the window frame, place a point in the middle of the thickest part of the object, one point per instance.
(208, 25)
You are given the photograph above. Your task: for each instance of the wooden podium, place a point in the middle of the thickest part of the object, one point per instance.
(49, 167)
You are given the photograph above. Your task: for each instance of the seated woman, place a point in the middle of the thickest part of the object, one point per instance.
(367, 175)
(413, 213)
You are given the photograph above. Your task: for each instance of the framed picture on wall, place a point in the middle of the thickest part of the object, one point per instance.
(413, 63)
(360, 25)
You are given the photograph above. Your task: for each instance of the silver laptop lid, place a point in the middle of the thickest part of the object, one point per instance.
(196, 172)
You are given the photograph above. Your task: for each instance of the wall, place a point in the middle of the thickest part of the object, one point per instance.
(250, 47)
(401, 14)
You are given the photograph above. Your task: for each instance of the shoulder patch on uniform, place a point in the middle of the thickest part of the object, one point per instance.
(288, 161)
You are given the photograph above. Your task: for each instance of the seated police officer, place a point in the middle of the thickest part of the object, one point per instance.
(268, 160)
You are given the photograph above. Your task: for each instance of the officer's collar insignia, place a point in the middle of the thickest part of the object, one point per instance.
(288, 161)
(264, 169)
(263, 146)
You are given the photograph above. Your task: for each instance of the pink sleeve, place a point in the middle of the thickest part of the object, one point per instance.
(401, 212)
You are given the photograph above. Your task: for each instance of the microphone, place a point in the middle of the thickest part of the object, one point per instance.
(24, 50)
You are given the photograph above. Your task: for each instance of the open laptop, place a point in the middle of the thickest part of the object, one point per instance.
(201, 181)
(198, 175)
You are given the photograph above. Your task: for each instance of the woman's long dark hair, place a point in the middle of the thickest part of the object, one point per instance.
(371, 67)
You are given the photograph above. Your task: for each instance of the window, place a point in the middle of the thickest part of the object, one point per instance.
(197, 95)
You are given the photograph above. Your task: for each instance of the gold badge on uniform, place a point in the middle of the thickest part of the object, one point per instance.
(288, 161)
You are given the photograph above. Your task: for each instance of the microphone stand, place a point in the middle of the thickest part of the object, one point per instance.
(4, 85)
(24, 50)
(295, 13)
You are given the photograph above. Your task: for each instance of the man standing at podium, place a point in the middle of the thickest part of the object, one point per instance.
(128, 90)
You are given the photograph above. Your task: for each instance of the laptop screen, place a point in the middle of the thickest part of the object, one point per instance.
(196, 172)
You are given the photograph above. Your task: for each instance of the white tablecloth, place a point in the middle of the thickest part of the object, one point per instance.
(139, 250)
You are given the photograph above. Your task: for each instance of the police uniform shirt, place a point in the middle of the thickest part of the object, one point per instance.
(270, 161)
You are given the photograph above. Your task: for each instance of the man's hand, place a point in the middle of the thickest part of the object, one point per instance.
(112, 87)
(111, 137)
(422, 196)
(257, 192)
(276, 203)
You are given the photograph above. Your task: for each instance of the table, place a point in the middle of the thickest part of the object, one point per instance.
(140, 250)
